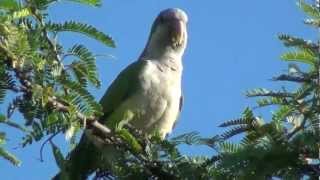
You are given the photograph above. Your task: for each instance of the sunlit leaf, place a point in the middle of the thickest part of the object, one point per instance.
(305, 56)
(309, 9)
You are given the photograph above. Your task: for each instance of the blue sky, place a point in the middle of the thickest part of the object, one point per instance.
(233, 47)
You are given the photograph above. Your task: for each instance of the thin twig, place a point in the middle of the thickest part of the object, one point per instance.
(44, 143)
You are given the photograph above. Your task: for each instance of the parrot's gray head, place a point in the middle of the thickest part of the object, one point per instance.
(168, 35)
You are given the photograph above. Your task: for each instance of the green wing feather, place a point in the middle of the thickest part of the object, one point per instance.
(125, 85)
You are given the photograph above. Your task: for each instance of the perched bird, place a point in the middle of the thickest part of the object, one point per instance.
(146, 94)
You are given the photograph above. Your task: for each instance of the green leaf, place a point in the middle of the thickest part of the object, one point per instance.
(235, 131)
(10, 157)
(86, 66)
(58, 156)
(193, 138)
(235, 122)
(2, 118)
(281, 113)
(305, 56)
(82, 28)
(271, 101)
(247, 113)
(310, 10)
(8, 4)
(257, 92)
(304, 91)
(96, 3)
(229, 147)
(22, 13)
(41, 4)
(187, 138)
(6, 83)
(291, 41)
(295, 120)
(312, 22)
(2, 138)
(2, 93)
(81, 98)
(130, 139)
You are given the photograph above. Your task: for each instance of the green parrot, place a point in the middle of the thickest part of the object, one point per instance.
(146, 94)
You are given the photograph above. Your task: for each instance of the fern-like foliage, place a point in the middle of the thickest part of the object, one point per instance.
(85, 29)
(8, 156)
(304, 56)
(280, 145)
(31, 67)
(6, 83)
(291, 41)
(85, 68)
(3, 152)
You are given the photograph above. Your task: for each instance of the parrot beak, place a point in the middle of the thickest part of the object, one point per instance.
(178, 28)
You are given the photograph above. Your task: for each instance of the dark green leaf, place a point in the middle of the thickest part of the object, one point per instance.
(291, 41)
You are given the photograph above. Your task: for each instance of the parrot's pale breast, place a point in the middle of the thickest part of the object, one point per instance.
(159, 98)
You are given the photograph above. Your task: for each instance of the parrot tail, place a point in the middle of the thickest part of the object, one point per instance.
(81, 161)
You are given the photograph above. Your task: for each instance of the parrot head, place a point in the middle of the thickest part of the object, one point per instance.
(168, 35)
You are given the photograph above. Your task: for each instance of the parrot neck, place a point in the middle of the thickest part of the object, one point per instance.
(161, 52)
(159, 55)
